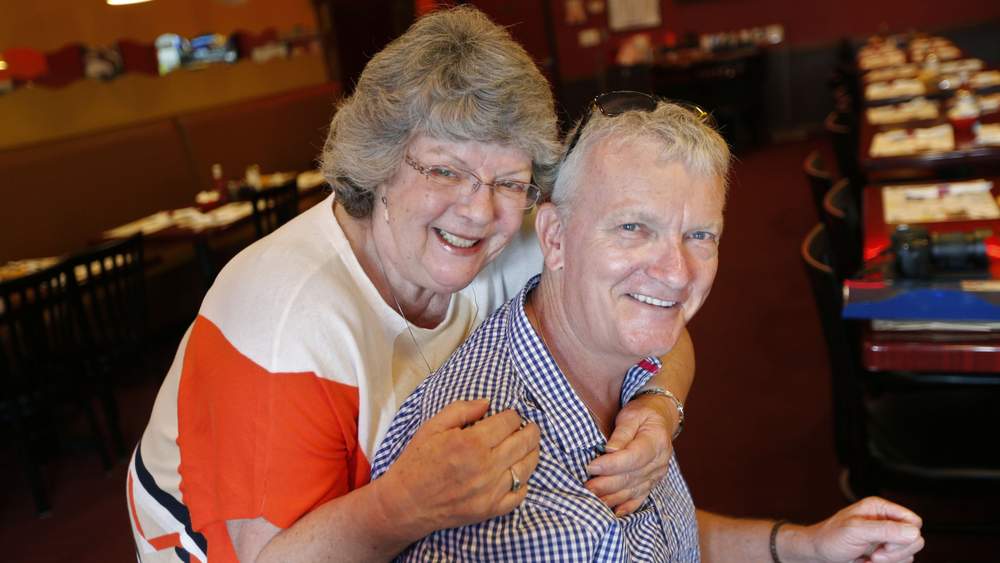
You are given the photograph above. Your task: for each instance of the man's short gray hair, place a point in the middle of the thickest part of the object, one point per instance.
(454, 75)
(685, 136)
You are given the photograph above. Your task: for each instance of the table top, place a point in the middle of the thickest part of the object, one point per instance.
(966, 151)
(934, 350)
(191, 223)
(17, 268)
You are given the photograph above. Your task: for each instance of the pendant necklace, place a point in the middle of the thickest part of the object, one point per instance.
(378, 260)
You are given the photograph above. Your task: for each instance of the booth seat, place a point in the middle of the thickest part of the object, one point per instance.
(58, 196)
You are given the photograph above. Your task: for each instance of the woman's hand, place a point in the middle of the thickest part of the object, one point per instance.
(639, 451)
(457, 469)
(872, 529)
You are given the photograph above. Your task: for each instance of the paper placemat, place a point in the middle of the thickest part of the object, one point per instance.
(899, 142)
(146, 225)
(894, 89)
(933, 203)
(913, 110)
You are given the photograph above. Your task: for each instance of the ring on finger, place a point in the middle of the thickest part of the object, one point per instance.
(515, 481)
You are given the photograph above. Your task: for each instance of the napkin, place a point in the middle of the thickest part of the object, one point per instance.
(898, 142)
(310, 179)
(985, 79)
(881, 58)
(962, 65)
(988, 134)
(892, 73)
(192, 218)
(146, 225)
(990, 103)
(913, 110)
(894, 89)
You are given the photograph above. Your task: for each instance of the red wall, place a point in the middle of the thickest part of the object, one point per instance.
(806, 22)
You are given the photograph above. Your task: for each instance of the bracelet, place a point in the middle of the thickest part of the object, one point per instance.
(656, 390)
(774, 539)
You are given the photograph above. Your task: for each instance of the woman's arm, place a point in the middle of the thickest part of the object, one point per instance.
(451, 474)
(640, 447)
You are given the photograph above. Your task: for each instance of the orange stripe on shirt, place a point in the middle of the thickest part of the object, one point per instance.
(255, 443)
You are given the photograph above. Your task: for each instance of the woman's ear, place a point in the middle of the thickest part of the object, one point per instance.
(550, 228)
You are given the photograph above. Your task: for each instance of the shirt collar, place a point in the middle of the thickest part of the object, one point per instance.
(571, 422)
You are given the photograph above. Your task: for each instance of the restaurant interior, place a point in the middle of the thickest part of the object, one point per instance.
(851, 345)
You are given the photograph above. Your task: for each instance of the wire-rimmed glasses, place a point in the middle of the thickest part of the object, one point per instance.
(514, 192)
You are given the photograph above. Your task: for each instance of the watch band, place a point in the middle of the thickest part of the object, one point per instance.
(657, 390)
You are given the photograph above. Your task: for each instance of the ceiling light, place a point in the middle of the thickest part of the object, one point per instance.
(125, 2)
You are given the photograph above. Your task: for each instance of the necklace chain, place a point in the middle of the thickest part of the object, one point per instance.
(406, 321)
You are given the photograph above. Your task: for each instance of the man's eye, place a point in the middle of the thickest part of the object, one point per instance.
(703, 235)
(631, 227)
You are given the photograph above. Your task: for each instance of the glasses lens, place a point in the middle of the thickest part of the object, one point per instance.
(617, 103)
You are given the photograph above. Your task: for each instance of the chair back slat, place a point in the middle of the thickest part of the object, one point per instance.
(819, 178)
(110, 283)
(843, 222)
(273, 207)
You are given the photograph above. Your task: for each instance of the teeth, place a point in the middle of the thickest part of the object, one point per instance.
(652, 300)
(456, 240)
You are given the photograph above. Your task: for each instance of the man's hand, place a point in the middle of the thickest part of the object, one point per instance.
(871, 530)
(639, 451)
(457, 469)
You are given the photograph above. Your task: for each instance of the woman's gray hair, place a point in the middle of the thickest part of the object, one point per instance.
(454, 75)
(684, 135)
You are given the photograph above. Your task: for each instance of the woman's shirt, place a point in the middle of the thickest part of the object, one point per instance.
(285, 383)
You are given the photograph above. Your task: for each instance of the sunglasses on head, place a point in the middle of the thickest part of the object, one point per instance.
(613, 104)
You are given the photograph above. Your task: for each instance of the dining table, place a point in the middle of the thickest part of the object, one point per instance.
(202, 225)
(923, 137)
(939, 345)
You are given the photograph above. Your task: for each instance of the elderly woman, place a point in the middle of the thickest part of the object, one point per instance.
(259, 442)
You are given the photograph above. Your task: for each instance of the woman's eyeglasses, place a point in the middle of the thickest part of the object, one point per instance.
(513, 192)
(613, 104)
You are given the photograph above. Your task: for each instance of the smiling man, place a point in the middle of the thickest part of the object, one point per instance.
(631, 247)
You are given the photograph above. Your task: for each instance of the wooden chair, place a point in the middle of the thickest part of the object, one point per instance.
(273, 207)
(843, 223)
(110, 302)
(844, 139)
(40, 370)
(819, 178)
(902, 431)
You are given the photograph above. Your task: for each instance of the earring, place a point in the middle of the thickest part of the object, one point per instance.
(385, 209)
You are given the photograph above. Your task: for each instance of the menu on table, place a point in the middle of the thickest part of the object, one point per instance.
(892, 73)
(913, 110)
(934, 203)
(19, 268)
(150, 224)
(894, 89)
(900, 142)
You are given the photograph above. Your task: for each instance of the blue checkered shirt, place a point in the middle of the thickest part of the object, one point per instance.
(505, 361)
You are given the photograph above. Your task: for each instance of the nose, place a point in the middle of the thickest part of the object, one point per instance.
(671, 264)
(476, 203)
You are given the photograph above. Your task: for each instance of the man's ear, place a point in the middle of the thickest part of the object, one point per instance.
(550, 229)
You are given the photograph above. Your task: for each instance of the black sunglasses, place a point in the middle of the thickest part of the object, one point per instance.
(613, 104)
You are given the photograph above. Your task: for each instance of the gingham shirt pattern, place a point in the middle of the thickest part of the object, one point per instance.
(560, 520)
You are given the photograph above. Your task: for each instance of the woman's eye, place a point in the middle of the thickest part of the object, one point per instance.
(443, 172)
(511, 186)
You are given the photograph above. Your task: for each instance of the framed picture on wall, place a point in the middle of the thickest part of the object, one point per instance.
(633, 14)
